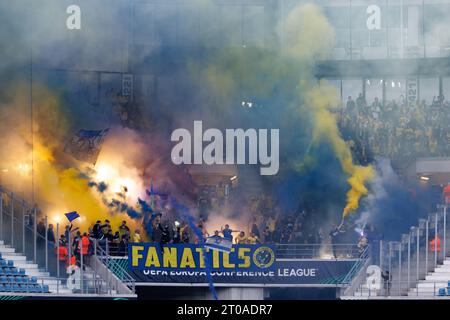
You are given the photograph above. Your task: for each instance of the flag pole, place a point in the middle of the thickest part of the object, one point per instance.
(31, 117)
(152, 195)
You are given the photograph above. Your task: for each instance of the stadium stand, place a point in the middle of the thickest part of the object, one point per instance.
(19, 275)
(436, 283)
(418, 265)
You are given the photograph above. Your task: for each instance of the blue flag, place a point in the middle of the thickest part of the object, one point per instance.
(72, 215)
(218, 243)
(85, 145)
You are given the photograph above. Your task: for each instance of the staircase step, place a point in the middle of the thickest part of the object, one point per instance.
(38, 274)
(16, 257)
(26, 266)
(442, 272)
(435, 277)
(422, 294)
(424, 290)
(3, 249)
(59, 290)
(55, 286)
(49, 282)
(431, 285)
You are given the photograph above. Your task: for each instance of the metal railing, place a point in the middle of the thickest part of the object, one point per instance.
(357, 267)
(19, 230)
(319, 251)
(102, 252)
(286, 251)
(416, 254)
(53, 285)
(422, 290)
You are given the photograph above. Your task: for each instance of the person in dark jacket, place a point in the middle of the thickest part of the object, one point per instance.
(97, 229)
(387, 279)
(176, 235)
(123, 246)
(165, 234)
(50, 234)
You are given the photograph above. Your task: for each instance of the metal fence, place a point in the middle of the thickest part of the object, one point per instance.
(417, 253)
(318, 251)
(283, 251)
(103, 254)
(21, 230)
(428, 289)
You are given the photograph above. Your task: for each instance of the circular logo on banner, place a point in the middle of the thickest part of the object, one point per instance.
(263, 257)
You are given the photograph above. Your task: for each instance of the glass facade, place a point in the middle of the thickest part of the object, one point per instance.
(174, 23)
(395, 89)
(351, 88)
(374, 89)
(379, 29)
(140, 32)
(387, 89)
(446, 87)
(364, 29)
(428, 89)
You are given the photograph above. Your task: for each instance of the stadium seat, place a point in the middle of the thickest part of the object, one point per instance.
(3, 279)
(27, 287)
(8, 271)
(33, 280)
(2, 288)
(14, 271)
(10, 263)
(7, 287)
(3, 263)
(441, 292)
(22, 271)
(45, 288)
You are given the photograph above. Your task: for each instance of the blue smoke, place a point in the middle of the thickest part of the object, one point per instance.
(186, 215)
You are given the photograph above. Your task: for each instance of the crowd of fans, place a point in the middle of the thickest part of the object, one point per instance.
(396, 129)
(273, 226)
(75, 244)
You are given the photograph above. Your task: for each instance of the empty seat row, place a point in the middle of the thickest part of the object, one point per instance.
(444, 291)
(6, 263)
(17, 279)
(32, 288)
(12, 271)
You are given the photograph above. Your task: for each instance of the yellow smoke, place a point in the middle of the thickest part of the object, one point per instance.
(319, 100)
(309, 37)
(307, 34)
(306, 37)
(60, 186)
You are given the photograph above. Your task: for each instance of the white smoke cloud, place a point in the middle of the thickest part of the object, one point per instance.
(386, 175)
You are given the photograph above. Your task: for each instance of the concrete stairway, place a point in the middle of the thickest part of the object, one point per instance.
(434, 280)
(32, 269)
(94, 284)
(364, 292)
